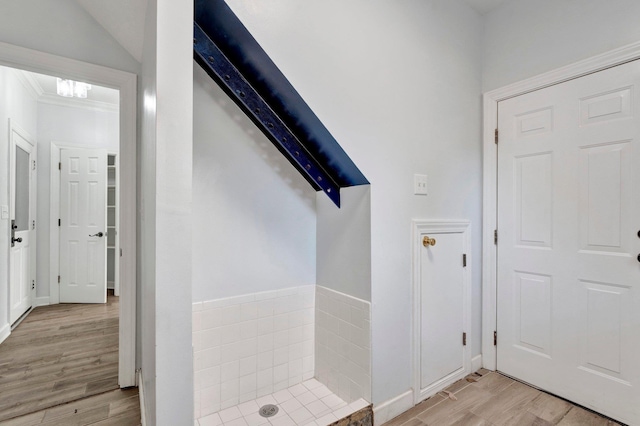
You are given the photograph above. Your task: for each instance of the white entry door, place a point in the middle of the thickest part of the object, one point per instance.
(83, 198)
(569, 241)
(22, 254)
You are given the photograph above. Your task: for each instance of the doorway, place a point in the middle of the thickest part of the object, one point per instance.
(568, 299)
(126, 84)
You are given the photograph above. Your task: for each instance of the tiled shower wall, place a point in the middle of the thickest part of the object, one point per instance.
(343, 344)
(250, 346)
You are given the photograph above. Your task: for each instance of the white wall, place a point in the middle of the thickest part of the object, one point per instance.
(253, 213)
(65, 126)
(17, 104)
(63, 28)
(344, 242)
(165, 213)
(398, 84)
(524, 38)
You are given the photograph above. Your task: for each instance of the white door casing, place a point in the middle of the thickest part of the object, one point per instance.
(83, 199)
(442, 294)
(568, 279)
(22, 253)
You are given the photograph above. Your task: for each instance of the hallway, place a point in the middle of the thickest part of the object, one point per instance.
(62, 353)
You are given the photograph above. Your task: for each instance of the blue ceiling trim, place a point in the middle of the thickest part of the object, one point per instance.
(226, 50)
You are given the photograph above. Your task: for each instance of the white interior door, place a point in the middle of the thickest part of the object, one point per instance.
(23, 212)
(568, 224)
(83, 241)
(443, 295)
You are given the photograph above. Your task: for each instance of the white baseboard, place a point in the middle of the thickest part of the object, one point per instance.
(41, 301)
(5, 332)
(143, 410)
(476, 363)
(392, 408)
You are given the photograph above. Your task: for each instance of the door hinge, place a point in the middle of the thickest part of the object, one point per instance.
(495, 236)
(60, 166)
(33, 284)
(464, 260)
(495, 338)
(59, 221)
(120, 252)
(33, 224)
(464, 339)
(496, 136)
(58, 279)
(34, 164)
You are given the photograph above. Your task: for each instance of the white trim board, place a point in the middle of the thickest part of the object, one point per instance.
(143, 404)
(126, 83)
(41, 301)
(386, 411)
(5, 332)
(591, 65)
(435, 227)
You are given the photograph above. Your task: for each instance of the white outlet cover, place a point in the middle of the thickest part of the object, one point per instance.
(420, 184)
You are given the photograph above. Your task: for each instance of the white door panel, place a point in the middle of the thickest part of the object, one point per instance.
(23, 212)
(83, 217)
(568, 218)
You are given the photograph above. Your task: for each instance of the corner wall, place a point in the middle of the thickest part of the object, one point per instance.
(525, 38)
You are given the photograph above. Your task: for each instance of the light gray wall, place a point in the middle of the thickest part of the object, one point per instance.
(398, 84)
(73, 126)
(344, 242)
(253, 213)
(18, 105)
(165, 174)
(524, 38)
(64, 28)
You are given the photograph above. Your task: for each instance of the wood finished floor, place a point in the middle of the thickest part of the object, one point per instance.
(58, 354)
(488, 398)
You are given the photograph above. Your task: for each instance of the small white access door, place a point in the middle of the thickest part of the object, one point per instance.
(441, 306)
(83, 241)
(22, 254)
(568, 227)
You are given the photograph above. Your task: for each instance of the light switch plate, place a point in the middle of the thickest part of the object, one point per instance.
(420, 184)
(4, 212)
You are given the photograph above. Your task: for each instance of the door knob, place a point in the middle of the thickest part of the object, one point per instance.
(426, 241)
(16, 240)
(99, 234)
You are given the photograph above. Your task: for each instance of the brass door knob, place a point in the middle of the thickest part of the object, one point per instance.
(426, 241)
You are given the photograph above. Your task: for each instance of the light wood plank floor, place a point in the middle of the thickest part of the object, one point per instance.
(487, 398)
(59, 353)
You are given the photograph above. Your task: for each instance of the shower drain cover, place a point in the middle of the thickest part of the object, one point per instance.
(268, 410)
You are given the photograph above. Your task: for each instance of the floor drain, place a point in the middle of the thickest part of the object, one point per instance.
(268, 410)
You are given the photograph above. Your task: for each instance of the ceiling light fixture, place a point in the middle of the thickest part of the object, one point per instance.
(70, 88)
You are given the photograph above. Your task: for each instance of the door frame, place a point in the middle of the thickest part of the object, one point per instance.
(619, 56)
(419, 228)
(126, 83)
(33, 208)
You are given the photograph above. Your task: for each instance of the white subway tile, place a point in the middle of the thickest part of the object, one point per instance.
(209, 377)
(295, 352)
(230, 371)
(264, 378)
(196, 306)
(282, 396)
(307, 364)
(327, 419)
(265, 326)
(306, 397)
(248, 347)
(265, 308)
(248, 384)
(211, 318)
(248, 365)
(230, 414)
(280, 322)
(317, 408)
(281, 374)
(281, 339)
(265, 343)
(248, 329)
(280, 356)
(264, 360)
(230, 352)
(230, 314)
(249, 311)
(265, 400)
(209, 357)
(290, 405)
(264, 391)
(295, 367)
(256, 419)
(229, 333)
(210, 338)
(301, 416)
(295, 335)
(229, 391)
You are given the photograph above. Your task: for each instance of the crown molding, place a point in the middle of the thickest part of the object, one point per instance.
(29, 83)
(88, 104)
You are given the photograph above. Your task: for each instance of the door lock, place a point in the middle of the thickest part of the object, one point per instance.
(15, 240)
(99, 234)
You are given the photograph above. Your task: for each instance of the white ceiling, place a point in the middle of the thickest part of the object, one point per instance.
(123, 19)
(484, 6)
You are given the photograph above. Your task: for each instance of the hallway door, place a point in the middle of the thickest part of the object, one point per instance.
(22, 253)
(83, 230)
(569, 240)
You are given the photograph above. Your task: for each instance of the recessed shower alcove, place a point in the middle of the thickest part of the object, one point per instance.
(282, 258)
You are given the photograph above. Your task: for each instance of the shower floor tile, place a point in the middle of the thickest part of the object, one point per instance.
(309, 403)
